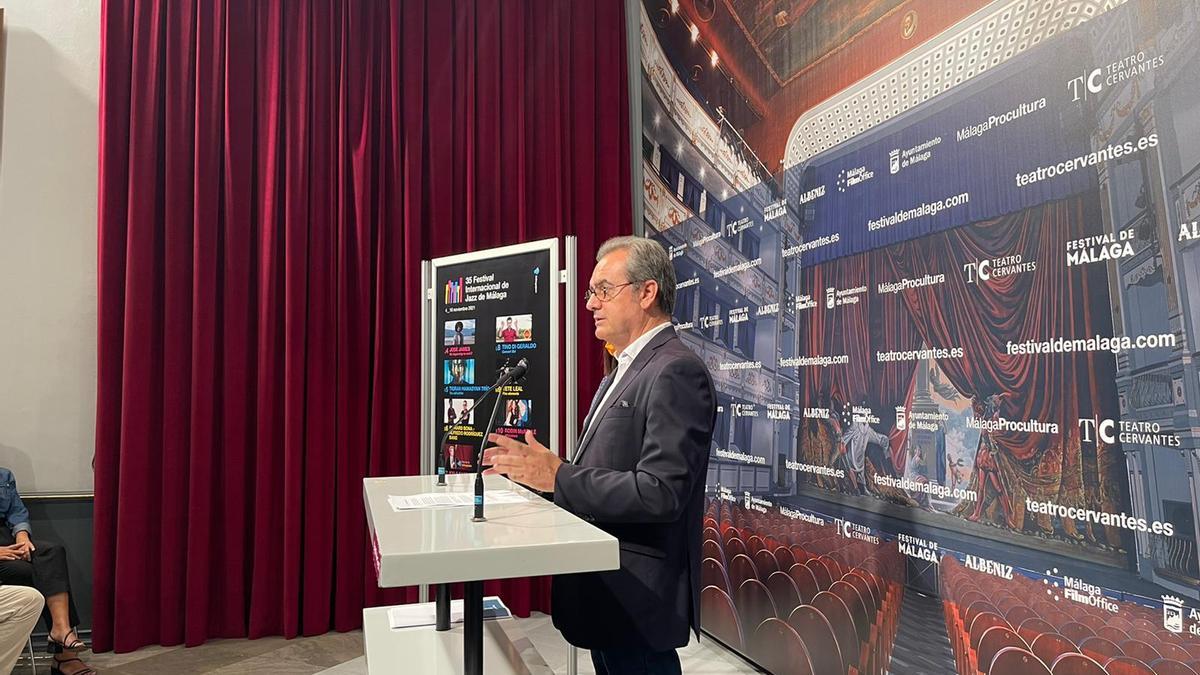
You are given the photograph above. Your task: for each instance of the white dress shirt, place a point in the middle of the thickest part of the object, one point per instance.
(624, 360)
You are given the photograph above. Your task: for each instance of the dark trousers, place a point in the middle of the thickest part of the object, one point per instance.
(635, 661)
(46, 571)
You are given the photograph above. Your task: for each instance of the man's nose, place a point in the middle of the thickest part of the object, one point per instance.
(593, 303)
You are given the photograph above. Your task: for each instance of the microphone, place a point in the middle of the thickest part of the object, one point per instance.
(514, 374)
(507, 376)
(518, 372)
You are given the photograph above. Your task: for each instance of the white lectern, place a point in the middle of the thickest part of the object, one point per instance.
(441, 545)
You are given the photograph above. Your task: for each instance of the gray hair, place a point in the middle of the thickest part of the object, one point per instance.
(648, 261)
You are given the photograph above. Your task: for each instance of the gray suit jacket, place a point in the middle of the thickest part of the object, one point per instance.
(639, 474)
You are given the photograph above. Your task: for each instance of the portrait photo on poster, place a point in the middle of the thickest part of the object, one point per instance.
(515, 328)
(459, 332)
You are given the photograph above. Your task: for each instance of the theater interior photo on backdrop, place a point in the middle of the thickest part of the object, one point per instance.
(534, 337)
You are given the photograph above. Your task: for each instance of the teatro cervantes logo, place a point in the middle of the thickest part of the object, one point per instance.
(978, 270)
(1094, 81)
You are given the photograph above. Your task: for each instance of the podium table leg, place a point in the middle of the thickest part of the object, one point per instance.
(442, 599)
(473, 628)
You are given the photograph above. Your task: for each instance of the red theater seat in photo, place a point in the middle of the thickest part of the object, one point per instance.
(1031, 629)
(834, 610)
(816, 632)
(1127, 665)
(1006, 602)
(806, 582)
(854, 603)
(734, 547)
(712, 573)
(784, 558)
(1140, 651)
(836, 570)
(1100, 649)
(740, 569)
(713, 534)
(1075, 631)
(764, 562)
(755, 544)
(1017, 661)
(1170, 650)
(1092, 621)
(801, 554)
(1049, 646)
(1018, 615)
(1171, 667)
(1054, 615)
(820, 573)
(1076, 664)
(753, 602)
(720, 618)
(981, 624)
(1147, 636)
(777, 647)
(976, 608)
(1120, 623)
(711, 549)
(1113, 634)
(783, 592)
(863, 587)
(994, 639)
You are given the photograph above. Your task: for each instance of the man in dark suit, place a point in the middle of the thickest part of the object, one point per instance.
(639, 472)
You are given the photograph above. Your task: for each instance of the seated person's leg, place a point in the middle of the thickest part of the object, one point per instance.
(50, 576)
(20, 607)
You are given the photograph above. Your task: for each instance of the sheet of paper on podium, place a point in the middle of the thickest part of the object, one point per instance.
(435, 499)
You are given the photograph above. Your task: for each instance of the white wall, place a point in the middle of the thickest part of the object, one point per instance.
(49, 76)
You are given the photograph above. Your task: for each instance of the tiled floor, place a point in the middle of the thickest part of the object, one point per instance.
(341, 654)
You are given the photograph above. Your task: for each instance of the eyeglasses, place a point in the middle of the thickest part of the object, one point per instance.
(605, 292)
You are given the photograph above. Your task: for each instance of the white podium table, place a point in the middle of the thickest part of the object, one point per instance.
(441, 545)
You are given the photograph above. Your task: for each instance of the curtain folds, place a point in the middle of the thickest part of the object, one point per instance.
(959, 310)
(271, 175)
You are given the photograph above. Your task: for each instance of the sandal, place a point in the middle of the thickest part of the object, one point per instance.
(55, 670)
(59, 646)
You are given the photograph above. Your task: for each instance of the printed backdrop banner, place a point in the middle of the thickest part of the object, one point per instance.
(953, 344)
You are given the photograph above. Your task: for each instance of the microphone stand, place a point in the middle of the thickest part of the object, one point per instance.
(463, 416)
(442, 594)
(478, 517)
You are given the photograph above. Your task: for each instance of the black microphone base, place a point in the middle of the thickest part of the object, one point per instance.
(478, 519)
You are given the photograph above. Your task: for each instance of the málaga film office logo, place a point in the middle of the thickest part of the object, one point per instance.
(1172, 613)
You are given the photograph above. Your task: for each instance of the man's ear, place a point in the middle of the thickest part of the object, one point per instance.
(649, 294)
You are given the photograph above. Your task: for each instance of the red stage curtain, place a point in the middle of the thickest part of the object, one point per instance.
(271, 175)
(1048, 301)
(856, 330)
(1056, 300)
